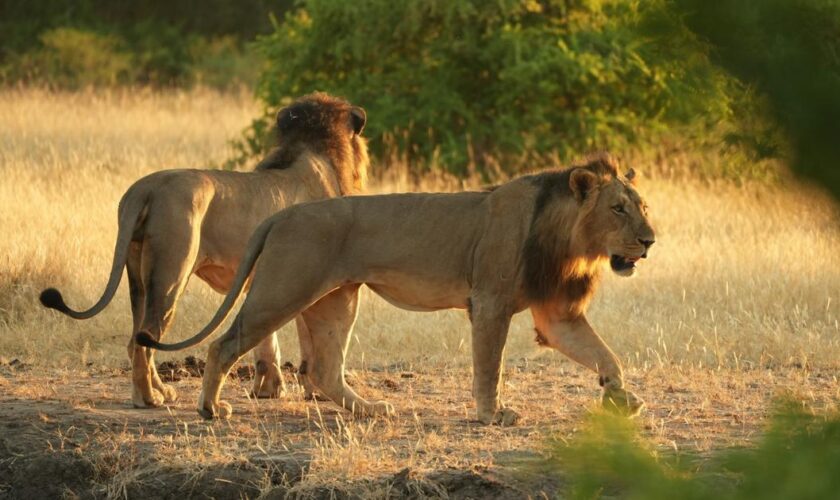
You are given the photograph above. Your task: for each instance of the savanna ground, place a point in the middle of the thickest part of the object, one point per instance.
(739, 303)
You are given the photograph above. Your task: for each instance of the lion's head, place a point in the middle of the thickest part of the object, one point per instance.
(583, 216)
(612, 221)
(326, 125)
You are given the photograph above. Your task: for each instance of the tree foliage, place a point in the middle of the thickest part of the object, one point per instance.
(789, 51)
(73, 43)
(503, 85)
(797, 457)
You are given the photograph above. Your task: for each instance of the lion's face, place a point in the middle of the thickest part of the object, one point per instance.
(616, 222)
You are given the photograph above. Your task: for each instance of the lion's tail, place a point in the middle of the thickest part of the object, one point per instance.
(130, 212)
(255, 248)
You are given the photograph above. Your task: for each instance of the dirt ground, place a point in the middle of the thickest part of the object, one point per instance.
(75, 434)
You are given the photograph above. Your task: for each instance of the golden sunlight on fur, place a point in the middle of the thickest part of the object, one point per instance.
(176, 223)
(740, 276)
(737, 303)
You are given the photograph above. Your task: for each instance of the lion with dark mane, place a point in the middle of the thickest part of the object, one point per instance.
(176, 223)
(536, 242)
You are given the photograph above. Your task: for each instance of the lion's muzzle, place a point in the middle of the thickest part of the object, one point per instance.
(623, 265)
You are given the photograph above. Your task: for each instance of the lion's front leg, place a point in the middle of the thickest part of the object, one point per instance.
(306, 358)
(576, 339)
(268, 381)
(489, 334)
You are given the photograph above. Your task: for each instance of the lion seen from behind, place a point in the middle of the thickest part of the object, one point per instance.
(176, 223)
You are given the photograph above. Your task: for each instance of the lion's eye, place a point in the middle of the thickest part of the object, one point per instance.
(619, 209)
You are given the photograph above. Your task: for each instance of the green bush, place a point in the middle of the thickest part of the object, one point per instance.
(75, 58)
(73, 43)
(148, 55)
(789, 52)
(797, 457)
(461, 84)
(222, 63)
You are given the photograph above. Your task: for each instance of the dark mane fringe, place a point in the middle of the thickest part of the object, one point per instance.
(544, 277)
(320, 125)
(555, 183)
(545, 266)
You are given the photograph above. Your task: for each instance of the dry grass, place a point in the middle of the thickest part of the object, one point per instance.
(270, 444)
(65, 160)
(741, 280)
(740, 276)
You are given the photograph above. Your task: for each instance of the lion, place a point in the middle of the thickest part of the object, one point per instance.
(175, 223)
(535, 242)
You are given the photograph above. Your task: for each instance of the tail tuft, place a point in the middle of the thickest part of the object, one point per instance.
(52, 299)
(145, 339)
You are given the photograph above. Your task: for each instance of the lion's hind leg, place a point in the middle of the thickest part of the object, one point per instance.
(284, 284)
(143, 393)
(167, 259)
(251, 326)
(329, 323)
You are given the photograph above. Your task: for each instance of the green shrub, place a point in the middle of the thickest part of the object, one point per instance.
(76, 58)
(72, 43)
(797, 457)
(789, 52)
(149, 55)
(222, 63)
(160, 52)
(466, 83)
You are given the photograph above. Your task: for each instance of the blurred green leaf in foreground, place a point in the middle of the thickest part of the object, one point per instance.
(797, 457)
(789, 50)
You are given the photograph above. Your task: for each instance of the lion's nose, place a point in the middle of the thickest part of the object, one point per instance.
(646, 244)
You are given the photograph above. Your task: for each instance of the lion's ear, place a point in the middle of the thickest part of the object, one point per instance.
(358, 118)
(582, 182)
(285, 119)
(630, 176)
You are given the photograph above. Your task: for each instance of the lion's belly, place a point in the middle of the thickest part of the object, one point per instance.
(421, 295)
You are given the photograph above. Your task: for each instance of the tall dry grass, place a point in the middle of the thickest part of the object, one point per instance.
(740, 276)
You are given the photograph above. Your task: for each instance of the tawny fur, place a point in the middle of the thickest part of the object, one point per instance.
(536, 242)
(175, 223)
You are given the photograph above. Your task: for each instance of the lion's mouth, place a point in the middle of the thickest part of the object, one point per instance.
(619, 263)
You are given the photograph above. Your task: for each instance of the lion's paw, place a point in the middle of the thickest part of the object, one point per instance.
(502, 416)
(268, 391)
(314, 396)
(170, 395)
(222, 411)
(622, 402)
(378, 409)
(269, 385)
(309, 391)
(382, 408)
(155, 401)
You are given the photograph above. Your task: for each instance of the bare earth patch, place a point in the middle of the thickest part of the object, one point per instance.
(75, 433)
